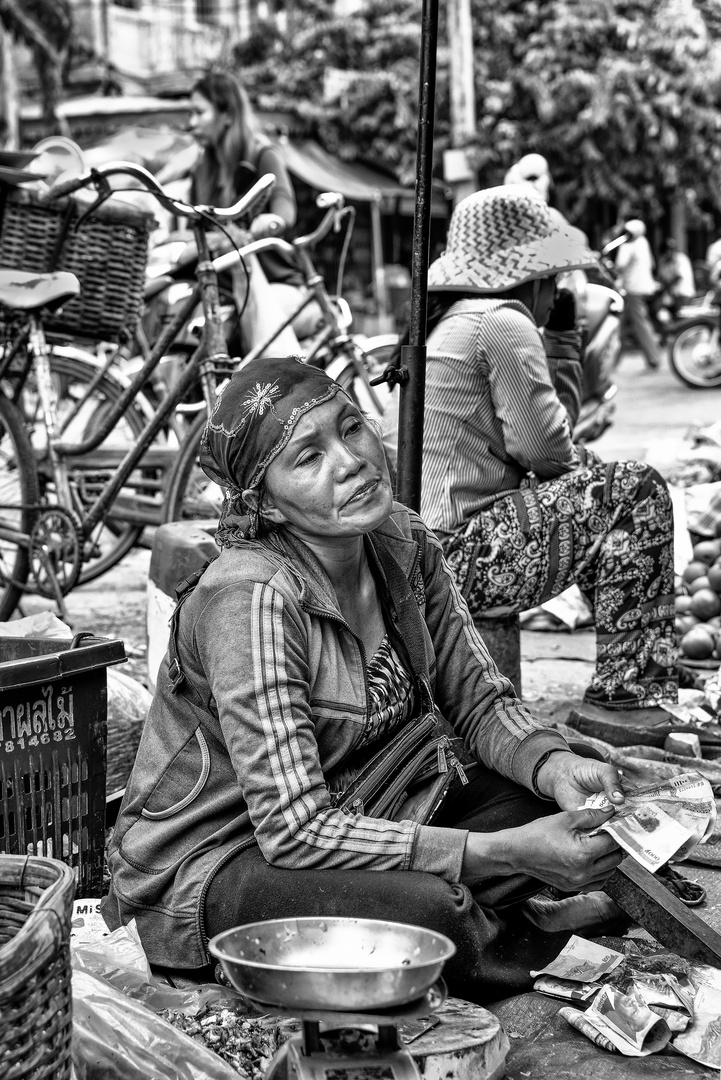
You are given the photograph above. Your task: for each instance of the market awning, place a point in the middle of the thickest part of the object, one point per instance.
(310, 163)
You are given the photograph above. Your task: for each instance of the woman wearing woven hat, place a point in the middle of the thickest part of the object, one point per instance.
(327, 632)
(521, 511)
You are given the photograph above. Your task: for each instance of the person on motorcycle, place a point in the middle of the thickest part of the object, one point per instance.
(522, 512)
(234, 154)
(634, 266)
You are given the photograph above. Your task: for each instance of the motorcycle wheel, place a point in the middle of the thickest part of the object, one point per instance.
(695, 353)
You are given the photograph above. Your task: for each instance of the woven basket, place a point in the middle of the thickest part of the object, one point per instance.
(108, 254)
(36, 897)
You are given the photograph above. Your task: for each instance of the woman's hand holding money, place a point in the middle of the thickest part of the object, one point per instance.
(561, 851)
(570, 779)
(558, 850)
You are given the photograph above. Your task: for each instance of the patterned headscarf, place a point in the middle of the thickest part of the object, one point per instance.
(252, 421)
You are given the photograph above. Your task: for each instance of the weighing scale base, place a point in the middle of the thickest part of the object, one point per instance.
(291, 1063)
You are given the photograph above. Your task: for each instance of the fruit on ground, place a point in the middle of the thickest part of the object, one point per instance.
(684, 623)
(705, 604)
(714, 576)
(697, 644)
(683, 605)
(698, 584)
(694, 570)
(706, 551)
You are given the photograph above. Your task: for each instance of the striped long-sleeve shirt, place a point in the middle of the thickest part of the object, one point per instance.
(499, 403)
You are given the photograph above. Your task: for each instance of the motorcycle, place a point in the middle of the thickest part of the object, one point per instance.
(690, 329)
(695, 350)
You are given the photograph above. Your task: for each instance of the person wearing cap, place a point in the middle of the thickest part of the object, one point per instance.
(290, 665)
(521, 511)
(531, 169)
(634, 266)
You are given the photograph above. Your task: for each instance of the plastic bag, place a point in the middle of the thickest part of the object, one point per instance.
(43, 624)
(118, 1038)
(120, 961)
(261, 315)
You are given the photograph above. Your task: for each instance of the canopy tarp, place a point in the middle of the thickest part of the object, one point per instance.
(310, 163)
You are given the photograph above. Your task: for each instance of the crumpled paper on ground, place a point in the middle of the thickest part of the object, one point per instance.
(569, 610)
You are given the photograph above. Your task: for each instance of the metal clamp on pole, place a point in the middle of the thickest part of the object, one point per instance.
(394, 376)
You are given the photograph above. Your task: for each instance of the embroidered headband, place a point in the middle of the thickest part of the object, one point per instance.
(253, 419)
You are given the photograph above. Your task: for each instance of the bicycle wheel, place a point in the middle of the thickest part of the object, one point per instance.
(191, 495)
(19, 493)
(695, 353)
(110, 540)
(353, 369)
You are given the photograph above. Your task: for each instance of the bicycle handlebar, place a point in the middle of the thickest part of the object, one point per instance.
(332, 217)
(251, 201)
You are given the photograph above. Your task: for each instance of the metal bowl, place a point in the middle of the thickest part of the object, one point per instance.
(334, 964)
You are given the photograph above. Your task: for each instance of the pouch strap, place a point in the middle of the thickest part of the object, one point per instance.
(178, 679)
(410, 625)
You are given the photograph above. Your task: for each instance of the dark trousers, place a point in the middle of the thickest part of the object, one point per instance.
(496, 946)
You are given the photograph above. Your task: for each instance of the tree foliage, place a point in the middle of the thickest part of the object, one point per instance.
(622, 96)
(46, 27)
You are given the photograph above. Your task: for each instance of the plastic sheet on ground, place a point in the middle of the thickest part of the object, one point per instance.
(117, 1038)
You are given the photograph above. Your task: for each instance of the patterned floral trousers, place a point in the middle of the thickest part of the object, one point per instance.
(606, 527)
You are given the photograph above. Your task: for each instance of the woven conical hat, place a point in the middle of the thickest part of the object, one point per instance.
(501, 237)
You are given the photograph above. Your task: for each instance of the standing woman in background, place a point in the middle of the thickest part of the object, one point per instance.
(235, 153)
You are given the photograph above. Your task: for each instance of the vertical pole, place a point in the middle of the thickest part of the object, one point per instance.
(9, 89)
(462, 97)
(379, 270)
(413, 355)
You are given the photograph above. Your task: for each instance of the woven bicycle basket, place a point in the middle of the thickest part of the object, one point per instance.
(36, 897)
(107, 252)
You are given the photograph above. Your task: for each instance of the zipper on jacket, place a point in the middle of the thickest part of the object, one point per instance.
(171, 811)
(204, 939)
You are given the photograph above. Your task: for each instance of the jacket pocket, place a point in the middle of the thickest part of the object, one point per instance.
(180, 804)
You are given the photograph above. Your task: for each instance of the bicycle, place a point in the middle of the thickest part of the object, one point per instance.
(190, 494)
(53, 498)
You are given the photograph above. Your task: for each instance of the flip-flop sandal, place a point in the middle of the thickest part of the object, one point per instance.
(688, 892)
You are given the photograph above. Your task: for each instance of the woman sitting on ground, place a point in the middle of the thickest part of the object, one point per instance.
(291, 663)
(522, 512)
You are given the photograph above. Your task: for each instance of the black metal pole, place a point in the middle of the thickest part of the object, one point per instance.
(413, 355)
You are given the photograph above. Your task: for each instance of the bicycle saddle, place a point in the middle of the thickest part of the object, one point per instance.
(23, 291)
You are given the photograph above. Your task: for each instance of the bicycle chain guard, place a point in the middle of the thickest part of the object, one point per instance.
(56, 552)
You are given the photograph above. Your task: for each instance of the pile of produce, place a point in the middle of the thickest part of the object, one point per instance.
(246, 1043)
(698, 604)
